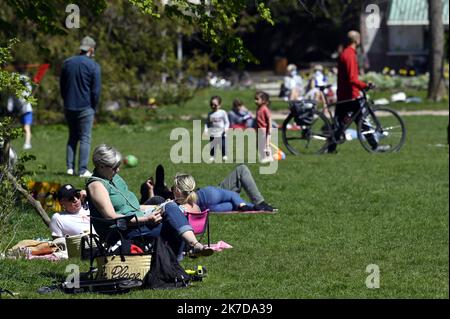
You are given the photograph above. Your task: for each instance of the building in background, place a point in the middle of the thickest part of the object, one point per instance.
(402, 39)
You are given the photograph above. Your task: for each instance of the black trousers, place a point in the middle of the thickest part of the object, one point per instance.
(343, 114)
(217, 142)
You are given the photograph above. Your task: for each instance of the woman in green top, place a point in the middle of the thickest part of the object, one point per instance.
(109, 198)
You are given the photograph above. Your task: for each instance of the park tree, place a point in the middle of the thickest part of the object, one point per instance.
(215, 19)
(136, 43)
(304, 30)
(436, 86)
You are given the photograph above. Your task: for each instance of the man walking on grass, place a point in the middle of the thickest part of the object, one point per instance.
(80, 85)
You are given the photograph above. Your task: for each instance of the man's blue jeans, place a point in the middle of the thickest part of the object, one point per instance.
(80, 130)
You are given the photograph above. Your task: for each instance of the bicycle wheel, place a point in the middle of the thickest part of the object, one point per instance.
(306, 139)
(381, 130)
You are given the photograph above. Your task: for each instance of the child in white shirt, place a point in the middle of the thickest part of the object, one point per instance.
(217, 124)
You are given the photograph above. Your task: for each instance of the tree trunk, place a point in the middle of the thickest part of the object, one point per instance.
(36, 204)
(436, 86)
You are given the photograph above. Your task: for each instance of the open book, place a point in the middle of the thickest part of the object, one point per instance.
(155, 208)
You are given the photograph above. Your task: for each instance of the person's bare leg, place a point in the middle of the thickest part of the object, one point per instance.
(189, 238)
(198, 248)
(27, 129)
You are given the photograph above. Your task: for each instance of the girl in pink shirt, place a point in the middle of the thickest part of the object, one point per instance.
(264, 126)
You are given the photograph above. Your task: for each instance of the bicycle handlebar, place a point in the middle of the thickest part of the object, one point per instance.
(369, 87)
(322, 88)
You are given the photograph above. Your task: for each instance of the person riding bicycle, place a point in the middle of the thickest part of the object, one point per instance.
(349, 88)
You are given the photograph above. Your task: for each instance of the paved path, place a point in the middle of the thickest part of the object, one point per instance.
(425, 112)
(281, 115)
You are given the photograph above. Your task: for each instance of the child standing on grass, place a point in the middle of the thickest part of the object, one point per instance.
(217, 124)
(264, 126)
(23, 109)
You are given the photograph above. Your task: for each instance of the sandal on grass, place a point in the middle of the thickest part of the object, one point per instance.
(199, 250)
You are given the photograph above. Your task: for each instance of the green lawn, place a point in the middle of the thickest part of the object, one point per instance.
(338, 214)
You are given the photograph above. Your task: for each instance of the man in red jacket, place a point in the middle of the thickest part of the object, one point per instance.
(349, 88)
(349, 85)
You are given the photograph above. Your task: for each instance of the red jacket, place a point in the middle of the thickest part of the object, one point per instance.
(349, 85)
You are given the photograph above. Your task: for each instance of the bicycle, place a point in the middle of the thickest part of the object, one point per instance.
(306, 130)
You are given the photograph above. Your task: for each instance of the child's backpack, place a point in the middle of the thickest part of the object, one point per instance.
(165, 271)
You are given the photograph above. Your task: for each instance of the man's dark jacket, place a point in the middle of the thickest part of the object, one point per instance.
(80, 83)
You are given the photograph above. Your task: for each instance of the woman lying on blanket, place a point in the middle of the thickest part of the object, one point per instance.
(240, 178)
(213, 198)
(109, 198)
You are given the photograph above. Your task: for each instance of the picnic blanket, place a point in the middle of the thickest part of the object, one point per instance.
(245, 212)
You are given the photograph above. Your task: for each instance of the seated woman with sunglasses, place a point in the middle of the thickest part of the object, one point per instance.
(109, 198)
(74, 219)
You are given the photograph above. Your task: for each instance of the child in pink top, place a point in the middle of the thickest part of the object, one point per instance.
(264, 126)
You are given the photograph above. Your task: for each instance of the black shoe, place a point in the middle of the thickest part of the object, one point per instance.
(159, 181)
(245, 208)
(203, 251)
(161, 188)
(331, 151)
(43, 290)
(263, 206)
(331, 148)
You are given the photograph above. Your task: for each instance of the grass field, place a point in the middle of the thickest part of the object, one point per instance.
(338, 214)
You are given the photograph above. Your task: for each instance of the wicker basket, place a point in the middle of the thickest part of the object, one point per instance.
(73, 244)
(134, 266)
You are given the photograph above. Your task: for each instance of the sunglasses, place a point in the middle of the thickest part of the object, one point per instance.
(74, 198)
(114, 167)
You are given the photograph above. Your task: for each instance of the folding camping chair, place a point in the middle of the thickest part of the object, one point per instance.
(89, 281)
(200, 223)
(103, 242)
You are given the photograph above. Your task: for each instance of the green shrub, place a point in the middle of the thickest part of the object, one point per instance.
(49, 116)
(174, 94)
(385, 81)
(127, 115)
